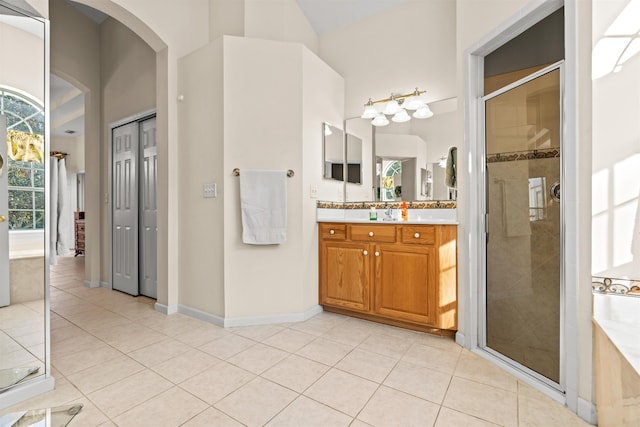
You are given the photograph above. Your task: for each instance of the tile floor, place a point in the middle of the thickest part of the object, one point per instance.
(132, 366)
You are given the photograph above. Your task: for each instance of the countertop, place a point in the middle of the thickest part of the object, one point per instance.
(416, 216)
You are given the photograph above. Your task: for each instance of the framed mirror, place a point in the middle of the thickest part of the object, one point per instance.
(332, 152)
(354, 159)
(23, 205)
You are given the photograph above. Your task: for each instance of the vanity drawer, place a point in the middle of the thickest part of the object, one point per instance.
(371, 233)
(333, 231)
(419, 234)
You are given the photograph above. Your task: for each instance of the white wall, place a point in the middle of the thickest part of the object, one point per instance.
(201, 118)
(128, 84)
(616, 161)
(409, 45)
(23, 47)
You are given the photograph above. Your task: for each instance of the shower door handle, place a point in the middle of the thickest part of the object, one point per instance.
(2, 218)
(554, 191)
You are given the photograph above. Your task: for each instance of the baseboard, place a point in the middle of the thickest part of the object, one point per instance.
(460, 339)
(272, 318)
(201, 315)
(90, 284)
(248, 320)
(106, 285)
(26, 391)
(164, 309)
(587, 411)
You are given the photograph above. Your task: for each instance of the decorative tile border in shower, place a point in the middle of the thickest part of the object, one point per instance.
(427, 204)
(547, 153)
(606, 285)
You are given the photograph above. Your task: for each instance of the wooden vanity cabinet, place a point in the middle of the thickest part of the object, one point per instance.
(400, 274)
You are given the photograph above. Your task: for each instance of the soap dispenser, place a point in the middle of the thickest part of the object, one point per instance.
(373, 214)
(405, 214)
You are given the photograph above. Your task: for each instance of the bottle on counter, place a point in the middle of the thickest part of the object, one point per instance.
(405, 213)
(373, 215)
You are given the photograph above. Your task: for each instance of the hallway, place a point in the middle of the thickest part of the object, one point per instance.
(131, 366)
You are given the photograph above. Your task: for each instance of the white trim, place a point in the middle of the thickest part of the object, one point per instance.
(22, 392)
(106, 285)
(460, 339)
(587, 411)
(574, 261)
(227, 322)
(90, 284)
(201, 315)
(272, 318)
(162, 308)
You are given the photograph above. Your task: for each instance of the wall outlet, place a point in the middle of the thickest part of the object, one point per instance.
(210, 191)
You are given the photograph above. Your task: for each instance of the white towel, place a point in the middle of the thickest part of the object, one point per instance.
(263, 201)
(515, 205)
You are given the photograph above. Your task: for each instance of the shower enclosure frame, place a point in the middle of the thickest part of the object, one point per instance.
(482, 289)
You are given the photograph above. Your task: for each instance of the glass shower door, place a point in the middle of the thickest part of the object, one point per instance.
(523, 252)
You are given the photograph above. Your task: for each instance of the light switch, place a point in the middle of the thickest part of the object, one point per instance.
(313, 191)
(210, 191)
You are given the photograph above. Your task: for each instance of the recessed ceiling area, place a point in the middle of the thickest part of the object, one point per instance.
(66, 108)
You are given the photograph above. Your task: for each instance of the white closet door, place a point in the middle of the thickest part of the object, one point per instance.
(125, 208)
(148, 209)
(4, 219)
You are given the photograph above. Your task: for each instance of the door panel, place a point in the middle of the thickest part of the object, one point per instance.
(523, 273)
(125, 209)
(345, 275)
(4, 219)
(148, 210)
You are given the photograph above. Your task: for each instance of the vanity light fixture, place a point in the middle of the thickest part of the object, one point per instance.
(327, 130)
(397, 106)
(443, 162)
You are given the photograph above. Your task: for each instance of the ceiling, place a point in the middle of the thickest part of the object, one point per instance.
(67, 102)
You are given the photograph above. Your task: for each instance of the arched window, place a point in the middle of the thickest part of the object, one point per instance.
(25, 165)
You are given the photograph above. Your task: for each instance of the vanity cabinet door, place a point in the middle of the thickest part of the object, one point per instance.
(345, 274)
(405, 283)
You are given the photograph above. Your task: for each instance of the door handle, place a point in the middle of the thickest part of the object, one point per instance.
(2, 218)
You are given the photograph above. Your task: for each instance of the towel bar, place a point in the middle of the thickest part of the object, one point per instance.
(236, 172)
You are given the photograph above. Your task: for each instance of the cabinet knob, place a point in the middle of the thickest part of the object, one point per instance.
(365, 253)
(371, 234)
(332, 231)
(417, 235)
(377, 253)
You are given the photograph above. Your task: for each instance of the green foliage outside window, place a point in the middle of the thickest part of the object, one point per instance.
(25, 178)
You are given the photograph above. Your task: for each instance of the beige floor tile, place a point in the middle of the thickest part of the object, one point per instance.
(350, 333)
(89, 415)
(185, 366)
(443, 343)
(482, 401)
(448, 418)
(386, 345)
(69, 346)
(325, 351)
(213, 384)
(258, 332)
(85, 359)
(309, 413)
(289, 340)
(358, 423)
(107, 373)
(534, 412)
(201, 335)
(389, 407)
(125, 394)
(430, 357)
(296, 373)
(171, 408)
(371, 366)
(475, 368)
(131, 337)
(212, 417)
(319, 324)
(342, 391)
(419, 381)
(159, 352)
(70, 331)
(258, 358)
(257, 402)
(227, 346)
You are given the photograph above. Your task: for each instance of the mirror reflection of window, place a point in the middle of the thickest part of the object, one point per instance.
(391, 180)
(537, 199)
